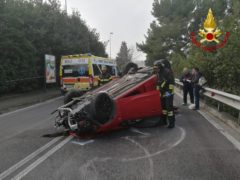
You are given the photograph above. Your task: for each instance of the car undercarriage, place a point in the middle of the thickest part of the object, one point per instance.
(122, 102)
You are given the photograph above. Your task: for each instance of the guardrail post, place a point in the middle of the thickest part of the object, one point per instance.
(219, 107)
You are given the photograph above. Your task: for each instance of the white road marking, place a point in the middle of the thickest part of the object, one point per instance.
(147, 155)
(89, 171)
(30, 107)
(86, 167)
(82, 142)
(41, 159)
(169, 147)
(28, 158)
(234, 141)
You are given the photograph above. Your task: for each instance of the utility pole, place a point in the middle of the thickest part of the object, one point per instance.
(66, 6)
(110, 41)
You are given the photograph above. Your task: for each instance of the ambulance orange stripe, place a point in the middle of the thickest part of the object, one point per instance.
(75, 80)
(69, 80)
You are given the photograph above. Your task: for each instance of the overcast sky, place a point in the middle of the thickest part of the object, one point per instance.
(129, 20)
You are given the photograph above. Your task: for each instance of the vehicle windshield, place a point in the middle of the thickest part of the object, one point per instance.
(110, 69)
(75, 70)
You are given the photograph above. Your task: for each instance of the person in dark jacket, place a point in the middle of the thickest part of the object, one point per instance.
(186, 79)
(105, 77)
(165, 84)
(196, 75)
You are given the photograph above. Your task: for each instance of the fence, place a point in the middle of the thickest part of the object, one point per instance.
(220, 98)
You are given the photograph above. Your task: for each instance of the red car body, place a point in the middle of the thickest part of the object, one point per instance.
(127, 100)
(139, 102)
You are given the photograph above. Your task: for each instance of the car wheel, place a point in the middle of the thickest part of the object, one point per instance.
(102, 108)
(130, 66)
(72, 94)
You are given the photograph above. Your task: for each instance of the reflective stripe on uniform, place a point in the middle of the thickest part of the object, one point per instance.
(163, 84)
(158, 88)
(170, 113)
(171, 86)
(164, 112)
(104, 80)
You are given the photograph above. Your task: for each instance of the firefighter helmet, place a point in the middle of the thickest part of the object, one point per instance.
(165, 63)
(158, 64)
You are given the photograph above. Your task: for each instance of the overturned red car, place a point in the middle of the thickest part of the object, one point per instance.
(127, 101)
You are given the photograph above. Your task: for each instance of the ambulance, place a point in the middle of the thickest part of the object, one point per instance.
(81, 71)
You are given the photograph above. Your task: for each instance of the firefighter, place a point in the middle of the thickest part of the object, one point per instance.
(165, 84)
(105, 77)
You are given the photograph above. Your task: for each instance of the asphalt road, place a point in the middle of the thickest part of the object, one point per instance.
(195, 149)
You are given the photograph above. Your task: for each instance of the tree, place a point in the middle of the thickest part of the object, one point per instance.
(168, 37)
(124, 56)
(174, 20)
(31, 29)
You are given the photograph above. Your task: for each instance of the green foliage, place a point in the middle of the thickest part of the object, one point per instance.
(124, 56)
(168, 37)
(222, 67)
(179, 62)
(31, 29)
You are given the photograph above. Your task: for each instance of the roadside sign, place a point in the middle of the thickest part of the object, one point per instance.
(50, 69)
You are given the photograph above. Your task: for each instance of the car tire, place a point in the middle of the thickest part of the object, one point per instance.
(102, 108)
(72, 94)
(129, 66)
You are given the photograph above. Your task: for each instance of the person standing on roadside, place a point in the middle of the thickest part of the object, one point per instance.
(186, 79)
(165, 84)
(196, 75)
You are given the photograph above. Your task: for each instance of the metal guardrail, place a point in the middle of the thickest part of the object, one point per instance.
(220, 97)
